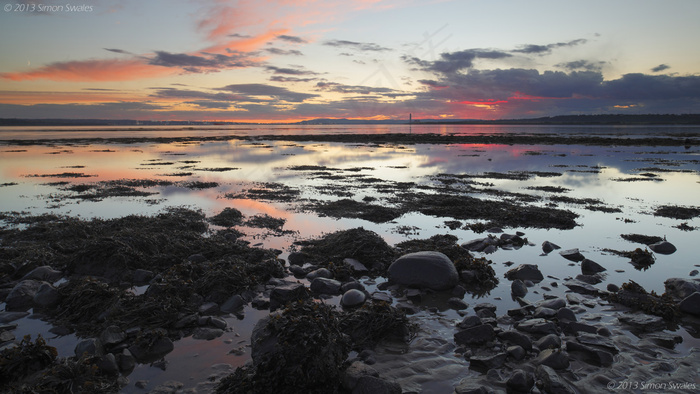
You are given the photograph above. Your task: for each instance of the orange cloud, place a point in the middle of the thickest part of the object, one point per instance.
(92, 70)
(29, 98)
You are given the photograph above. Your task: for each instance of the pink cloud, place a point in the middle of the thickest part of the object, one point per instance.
(91, 70)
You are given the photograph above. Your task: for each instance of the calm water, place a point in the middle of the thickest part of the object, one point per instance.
(28, 171)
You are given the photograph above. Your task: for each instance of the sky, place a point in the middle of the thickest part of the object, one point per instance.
(286, 61)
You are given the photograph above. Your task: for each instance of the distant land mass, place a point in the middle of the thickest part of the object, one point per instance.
(601, 119)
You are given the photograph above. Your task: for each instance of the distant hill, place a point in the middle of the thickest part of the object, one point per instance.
(602, 119)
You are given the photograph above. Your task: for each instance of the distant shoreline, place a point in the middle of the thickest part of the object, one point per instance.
(582, 120)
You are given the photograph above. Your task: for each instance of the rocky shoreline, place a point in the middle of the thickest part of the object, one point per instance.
(193, 276)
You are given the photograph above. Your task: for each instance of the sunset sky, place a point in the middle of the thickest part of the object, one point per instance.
(284, 60)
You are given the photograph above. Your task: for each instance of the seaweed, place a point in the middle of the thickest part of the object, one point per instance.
(347, 208)
(374, 322)
(633, 295)
(642, 239)
(27, 358)
(229, 217)
(640, 259)
(677, 212)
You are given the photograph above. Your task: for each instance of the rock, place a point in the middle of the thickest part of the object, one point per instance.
(590, 267)
(108, 364)
(141, 276)
(545, 313)
(372, 385)
(693, 273)
(415, 295)
(321, 285)
(351, 285)
(681, 288)
(574, 327)
(21, 297)
(484, 363)
(381, 297)
(355, 265)
(518, 288)
(554, 303)
(353, 298)
(354, 372)
(207, 333)
(589, 354)
(548, 246)
(43, 273)
(319, 273)
(590, 279)
(210, 308)
(572, 299)
(46, 296)
(613, 288)
(298, 271)
(186, 321)
(475, 335)
(233, 304)
(537, 326)
(457, 304)
(551, 341)
(289, 292)
(6, 336)
(486, 314)
(432, 270)
(90, 346)
(551, 382)
(566, 314)
(580, 287)
(262, 342)
(663, 247)
(469, 321)
(525, 272)
(485, 305)
(668, 341)
(691, 304)
(6, 317)
(598, 341)
(112, 335)
(517, 352)
(643, 322)
(470, 386)
(260, 302)
(126, 361)
(516, 338)
(297, 258)
(459, 291)
(152, 350)
(572, 255)
(217, 322)
(553, 358)
(520, 381)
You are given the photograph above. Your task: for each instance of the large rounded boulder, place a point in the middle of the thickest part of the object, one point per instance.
(432, 270)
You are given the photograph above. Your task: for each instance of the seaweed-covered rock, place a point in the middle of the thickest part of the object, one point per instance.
(431, 270)
(375, 321)
(229, 217)
(362, 245)
(681, 287)
(298, 350)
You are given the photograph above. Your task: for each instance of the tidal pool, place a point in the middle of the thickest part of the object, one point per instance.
(614, 190)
